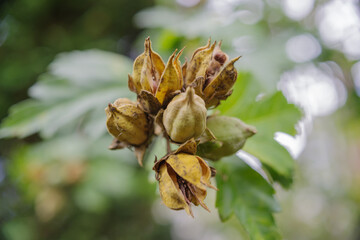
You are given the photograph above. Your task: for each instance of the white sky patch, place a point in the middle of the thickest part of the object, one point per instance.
(294, 145)
(338, 23)
(318, 91)
(352, 45)
(247, 11)
(302, 48)
(244, 45)
(297, 9)
(188, 3)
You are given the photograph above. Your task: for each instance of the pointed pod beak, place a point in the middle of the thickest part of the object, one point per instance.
(111, 107)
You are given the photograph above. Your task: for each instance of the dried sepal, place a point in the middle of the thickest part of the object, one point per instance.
(198, 84)
(140, 153)
(179, 69)
(187, 167)
(206, 173)
(148, 80)
(219, 58)
(134, 80)
(188, 147)
(170, 191)
(221, 85)
(183, 69)
(147, 69)
(132, 86)
(148, 102)
(201, 48)
(199, 63)
(199, 197)
(159, 117)
(116, 144)
(171, 80)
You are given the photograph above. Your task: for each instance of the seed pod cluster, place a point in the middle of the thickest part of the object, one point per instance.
(172, 102)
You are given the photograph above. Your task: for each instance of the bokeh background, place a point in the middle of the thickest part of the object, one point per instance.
(60, 184)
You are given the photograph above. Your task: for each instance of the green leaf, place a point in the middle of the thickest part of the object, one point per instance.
(243, 192)
(79, 84)
(269, 113)
(274, 157)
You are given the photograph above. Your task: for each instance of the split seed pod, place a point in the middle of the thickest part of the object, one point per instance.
(153, 82)
(230, 136)
(129, 125)
(211, 74)
(183, 178)
(185, 116)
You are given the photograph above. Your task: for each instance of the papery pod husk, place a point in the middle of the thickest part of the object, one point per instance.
(231, 134)
(148, 102)
(155, 83)
(185, 116)
(188, 167)
(147, 69)
(171, 79)
(219, 88)
(170, 191)
(199, 63)
(188, 147)
(129, 125)
(194, 172)
(198, 84)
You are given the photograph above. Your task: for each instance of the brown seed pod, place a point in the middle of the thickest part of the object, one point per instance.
(183, 178)
(129, 125)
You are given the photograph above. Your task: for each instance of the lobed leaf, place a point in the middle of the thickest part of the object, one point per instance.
(77, 85)
(269, 114)
(245, 194)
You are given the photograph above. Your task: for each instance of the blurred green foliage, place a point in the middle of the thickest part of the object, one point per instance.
(69, 186)
(33, 32)
(79, 191)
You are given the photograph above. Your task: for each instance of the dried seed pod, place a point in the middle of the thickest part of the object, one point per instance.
(185, 116)
(126, 122)
(219, 86)
(129, 125)
(199, 63)
(183, 178)
(147, 69)
(153, 82)
(211, 74)
(219, 58)
(230, 133)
